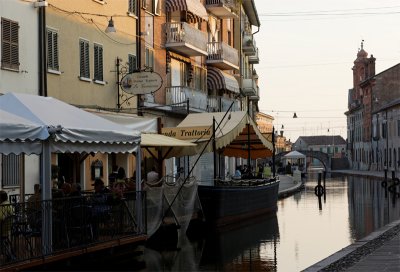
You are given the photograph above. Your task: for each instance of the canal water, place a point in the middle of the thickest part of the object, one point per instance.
(305, 230)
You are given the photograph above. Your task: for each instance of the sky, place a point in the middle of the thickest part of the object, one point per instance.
(307, 49)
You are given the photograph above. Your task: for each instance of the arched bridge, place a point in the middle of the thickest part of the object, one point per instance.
(321, 156)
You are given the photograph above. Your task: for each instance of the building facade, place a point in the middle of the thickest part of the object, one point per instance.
(372, 119)
(204, 51)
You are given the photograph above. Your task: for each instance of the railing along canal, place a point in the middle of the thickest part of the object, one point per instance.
(36, 229)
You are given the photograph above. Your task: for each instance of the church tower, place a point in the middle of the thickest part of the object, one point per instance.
(363, 69)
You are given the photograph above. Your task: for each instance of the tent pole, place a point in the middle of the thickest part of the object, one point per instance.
(273, 152)
(214, 151)
(139, 201)
(248, 148)
(47, 243)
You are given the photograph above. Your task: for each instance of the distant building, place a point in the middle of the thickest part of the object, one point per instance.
(264, 122)
(334, 145)
(373, 125)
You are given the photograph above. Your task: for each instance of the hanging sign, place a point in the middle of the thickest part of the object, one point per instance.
(188, 133)
(141, 82)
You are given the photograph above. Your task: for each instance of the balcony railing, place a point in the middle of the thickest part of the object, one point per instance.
(226, 103)
(185, 39)
(256, 96)
(177, 96)
(255, 58)
(222, 56)
(36, 229)
(249, 86)
(249, 44)
(223, 8)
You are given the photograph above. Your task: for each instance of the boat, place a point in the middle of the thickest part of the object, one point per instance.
(231, 134)
(226, 204)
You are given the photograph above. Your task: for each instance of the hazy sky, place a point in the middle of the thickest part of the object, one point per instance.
(307, 49)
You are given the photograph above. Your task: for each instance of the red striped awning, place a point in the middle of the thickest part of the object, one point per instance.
(219, 80)
(195, 8)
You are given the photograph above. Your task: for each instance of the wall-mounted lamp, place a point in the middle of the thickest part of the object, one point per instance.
(110, 28)
(295, 115)
(282, 127)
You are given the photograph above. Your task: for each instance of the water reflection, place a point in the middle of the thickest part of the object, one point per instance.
(305, 230)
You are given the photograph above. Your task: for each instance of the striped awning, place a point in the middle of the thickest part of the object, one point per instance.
(217, 80)
(196, 10)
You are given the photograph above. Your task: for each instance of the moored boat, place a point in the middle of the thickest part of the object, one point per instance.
(230, 203)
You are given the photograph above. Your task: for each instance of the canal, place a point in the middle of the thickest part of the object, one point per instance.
(305, 230)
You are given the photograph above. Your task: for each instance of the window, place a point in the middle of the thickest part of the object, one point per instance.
(84, 59)
(132, 63)
(384, 130)
(52, 50)
(153, 6)
(132, 8)
(12, 170)
(98, 62)
(149, 58)
(9, 44)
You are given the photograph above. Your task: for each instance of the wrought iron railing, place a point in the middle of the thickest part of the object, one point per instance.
(178, 96)
(35, 229)
(222, 51)
(184, 33)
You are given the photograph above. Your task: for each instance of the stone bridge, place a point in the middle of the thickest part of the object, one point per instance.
(321, 156)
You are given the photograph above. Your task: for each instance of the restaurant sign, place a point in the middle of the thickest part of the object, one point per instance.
(141, 82)
(188, 133)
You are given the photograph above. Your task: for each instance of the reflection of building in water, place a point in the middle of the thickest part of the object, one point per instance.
(370, 207)
(233, 247)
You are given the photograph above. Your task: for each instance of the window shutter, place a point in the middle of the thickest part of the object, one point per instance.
(55, 51)
(132, 62)
(84, 59)
(50, 49)
(9, 44)
(98, 62)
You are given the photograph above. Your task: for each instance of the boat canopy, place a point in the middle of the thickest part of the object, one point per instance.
(236, 134)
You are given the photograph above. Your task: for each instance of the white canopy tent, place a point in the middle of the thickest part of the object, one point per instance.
(71, 130)
(27, 118)
(19, 135)
(297, 159)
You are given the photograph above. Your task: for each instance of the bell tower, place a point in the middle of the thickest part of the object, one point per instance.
(363, 69)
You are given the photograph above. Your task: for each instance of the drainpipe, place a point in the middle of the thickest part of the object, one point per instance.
(138, 52)
(42, 51)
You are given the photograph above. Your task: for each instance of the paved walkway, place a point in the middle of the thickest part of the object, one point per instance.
(288, 186)
(379, 251)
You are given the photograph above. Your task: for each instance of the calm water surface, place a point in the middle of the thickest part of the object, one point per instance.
(303, 232)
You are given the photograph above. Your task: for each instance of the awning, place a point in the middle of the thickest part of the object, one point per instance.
(19, 135)
(194, 7)
(236, 134)
(217, 80)
(167, 146)
(75, 130)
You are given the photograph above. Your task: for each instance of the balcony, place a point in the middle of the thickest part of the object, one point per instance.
(249, 87)
(222, 56)
(249, 45)
(255, 97)
(226, 103)
(254, 59)
(185, 39)
(222, 8)
(178, 96)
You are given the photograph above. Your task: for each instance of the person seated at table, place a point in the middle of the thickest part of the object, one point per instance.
(152, 176)
(101, 205)
(34, 200)
(6, 211)
(238, 173)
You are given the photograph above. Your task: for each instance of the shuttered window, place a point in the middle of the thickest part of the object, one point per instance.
(132, 63)
(12, 170)
(149, 58)
(52, 50)
(84, 58)
(98, 62)
(9, 44)
(132, 9)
